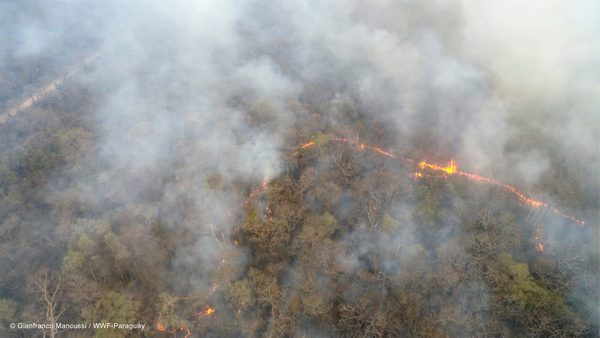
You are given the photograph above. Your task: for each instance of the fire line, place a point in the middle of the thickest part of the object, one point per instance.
(450, 169)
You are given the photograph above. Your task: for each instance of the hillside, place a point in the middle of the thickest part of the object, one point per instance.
(298, 170)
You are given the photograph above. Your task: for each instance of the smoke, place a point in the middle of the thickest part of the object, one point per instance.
(195, 97)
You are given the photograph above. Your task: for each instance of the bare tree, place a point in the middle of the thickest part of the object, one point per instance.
(51, 292)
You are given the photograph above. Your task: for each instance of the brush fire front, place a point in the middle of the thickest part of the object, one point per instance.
(451, 169)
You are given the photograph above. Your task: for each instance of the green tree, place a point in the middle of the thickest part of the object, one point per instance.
(113, 307)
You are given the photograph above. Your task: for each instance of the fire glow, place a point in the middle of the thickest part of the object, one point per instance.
(256, 191)
(206, 312)
(450, 169)
(539, 245)
(161, 328)
(182, 327)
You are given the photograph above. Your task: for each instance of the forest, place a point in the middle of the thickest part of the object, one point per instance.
(295, 170)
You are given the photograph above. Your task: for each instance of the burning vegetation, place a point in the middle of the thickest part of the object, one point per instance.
(347, 240)
(332, 237)
(450, 169)
(299, 169)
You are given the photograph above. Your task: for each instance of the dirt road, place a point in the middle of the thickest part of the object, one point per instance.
(48, 89)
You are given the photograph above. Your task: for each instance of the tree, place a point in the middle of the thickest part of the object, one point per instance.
(113, 307)
(49, 286)
(520, 298)
(73, 142)
(427, 204)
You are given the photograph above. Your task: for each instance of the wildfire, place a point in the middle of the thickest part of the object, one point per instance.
(572, 218)
(173, 329)
(307, 145)
(539, 245)
(521, 196)
(448, 170)
(356, 145)
(452, 169)
(304, 147)
(183, 328)
(160, 327)
(383, 152)
(422, 166)
(256, 191)
(206, 312)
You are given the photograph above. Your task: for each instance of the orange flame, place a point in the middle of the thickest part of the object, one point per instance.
(206, 312)
(183, 328)
(450, 169)
(539, 245)
(382, 152)
(307, 145)
(363, 147)
(256, 191)
(356, 145)
(304, 147)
